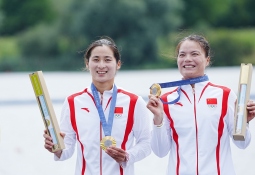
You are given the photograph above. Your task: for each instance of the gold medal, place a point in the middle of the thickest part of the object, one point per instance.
(155, 89)
(107, 141)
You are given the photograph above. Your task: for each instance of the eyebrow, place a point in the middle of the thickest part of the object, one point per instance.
(190, 51)
(106, 56)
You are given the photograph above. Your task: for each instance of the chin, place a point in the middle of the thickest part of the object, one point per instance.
(189, 76)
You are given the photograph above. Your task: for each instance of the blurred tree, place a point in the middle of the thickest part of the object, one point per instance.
(217, 13)
(18, 15)
(198, 13)
(232, 47)
(1, 15)
(135, 25)
(250, 4)
(240, 13)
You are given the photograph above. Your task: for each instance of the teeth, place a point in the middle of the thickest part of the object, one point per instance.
(188, 66)
(101, 72)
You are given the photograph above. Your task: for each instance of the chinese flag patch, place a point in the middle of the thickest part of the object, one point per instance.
(118, 110)
(211, 101)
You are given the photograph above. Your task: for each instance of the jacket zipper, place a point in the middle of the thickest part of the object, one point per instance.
(194, 95)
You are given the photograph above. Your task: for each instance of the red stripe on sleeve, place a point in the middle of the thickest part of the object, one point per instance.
(226, 92)
(73, 122)
(130, 120)
(175, 135)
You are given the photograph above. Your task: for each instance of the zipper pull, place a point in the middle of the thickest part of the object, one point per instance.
(193, 90)
(101, 98)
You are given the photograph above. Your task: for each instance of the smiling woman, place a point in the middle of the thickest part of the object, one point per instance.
(203, 110)
(193, 56)
(102, 59)
(110, 124)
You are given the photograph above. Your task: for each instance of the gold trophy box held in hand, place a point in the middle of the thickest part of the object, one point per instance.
(46, 109)
(241, 103)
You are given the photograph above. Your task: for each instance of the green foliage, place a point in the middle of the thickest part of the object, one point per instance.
(18, 15)
(240, 13)
(232, 47)
(135, 25)
(8, 47)
(9, 63)
(1, 17)
(43, 48)
(9, 54)
(229, 47)
(145, 31)
(41, 42)
(217, 13)
(200, 13)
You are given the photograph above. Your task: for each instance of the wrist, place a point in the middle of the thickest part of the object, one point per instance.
(158, 125)
(158, 120)
(124, 163)
(126, 157)
(58, 153)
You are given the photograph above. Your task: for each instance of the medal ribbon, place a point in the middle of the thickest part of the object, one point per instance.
(179, 83)
(107, 127)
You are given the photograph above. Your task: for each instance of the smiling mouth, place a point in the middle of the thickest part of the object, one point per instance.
(101, 72)
(189, 66)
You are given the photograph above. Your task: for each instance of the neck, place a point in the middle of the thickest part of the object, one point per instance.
(101, 87)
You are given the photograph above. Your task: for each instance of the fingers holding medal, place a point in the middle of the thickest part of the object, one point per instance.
(118, 154)
(154, 97)
(108, 144)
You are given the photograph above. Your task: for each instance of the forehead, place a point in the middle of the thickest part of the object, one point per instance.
(189, 46)
(104, 49)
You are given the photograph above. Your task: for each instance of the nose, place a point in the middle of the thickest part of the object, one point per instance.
(187, 58)
(101, 64)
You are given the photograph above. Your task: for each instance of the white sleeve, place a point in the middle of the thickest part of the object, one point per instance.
(161, 138)
(70, 135)
(230, 122)
(141, 130)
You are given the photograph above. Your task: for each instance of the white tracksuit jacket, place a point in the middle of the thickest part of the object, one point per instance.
(197, 131)
(80, 122)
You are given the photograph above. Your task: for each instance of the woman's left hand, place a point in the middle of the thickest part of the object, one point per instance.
(251, 110)
(119, 155)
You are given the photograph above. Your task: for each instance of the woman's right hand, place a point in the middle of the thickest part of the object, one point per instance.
(48, 144)
(156, 107)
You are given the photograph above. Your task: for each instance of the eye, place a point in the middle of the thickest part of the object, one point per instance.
(108, 59)
(195, 54)
(95, 59)
(181, 55)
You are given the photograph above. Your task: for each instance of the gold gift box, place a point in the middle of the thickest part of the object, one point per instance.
(242, 99)
(46, 109)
